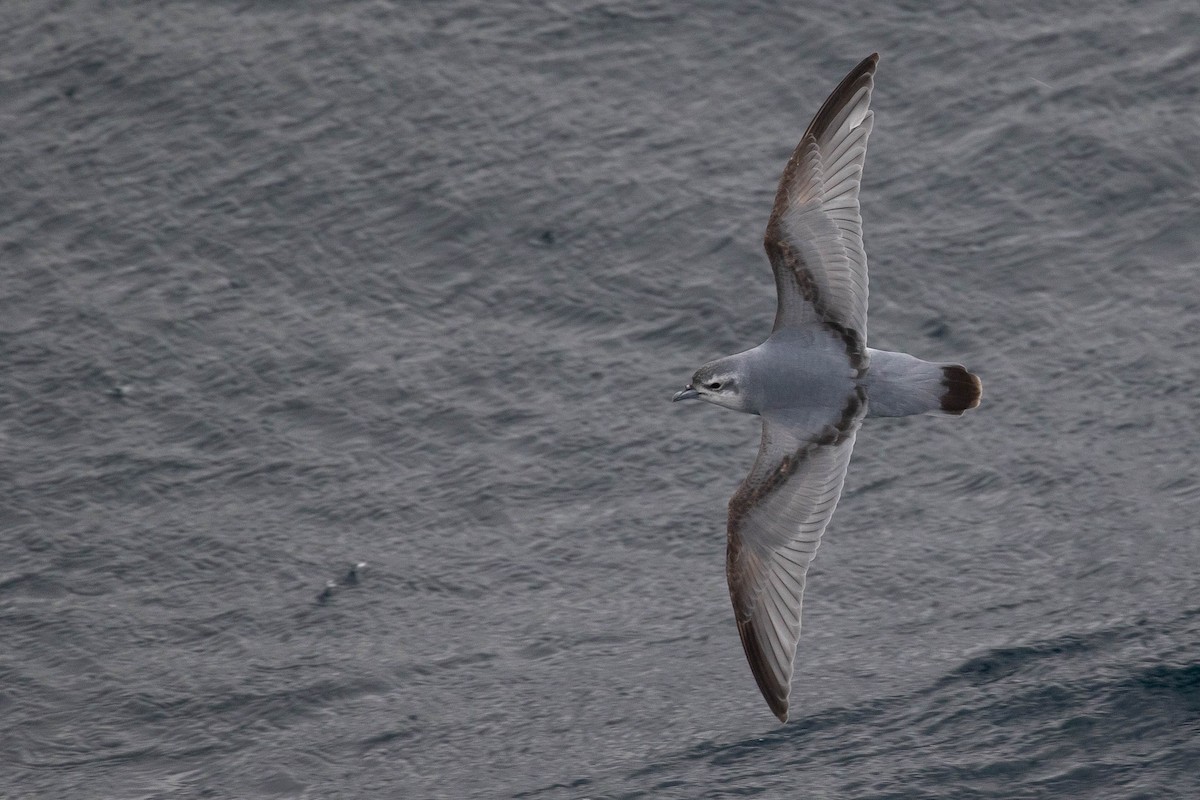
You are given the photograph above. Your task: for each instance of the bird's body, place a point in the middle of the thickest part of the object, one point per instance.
(793, 367)
(813, 381)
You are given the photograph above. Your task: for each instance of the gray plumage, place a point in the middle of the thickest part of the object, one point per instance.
(813, 381)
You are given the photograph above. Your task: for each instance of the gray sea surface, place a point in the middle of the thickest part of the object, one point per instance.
(287, 287)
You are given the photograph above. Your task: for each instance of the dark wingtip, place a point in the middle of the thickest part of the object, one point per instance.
(775, 695)
(862, 73)
(962, 390)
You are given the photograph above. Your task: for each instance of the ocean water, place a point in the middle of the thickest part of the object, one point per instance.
(289, 287)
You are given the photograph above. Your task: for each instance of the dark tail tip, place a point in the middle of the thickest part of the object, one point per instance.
(962, 390)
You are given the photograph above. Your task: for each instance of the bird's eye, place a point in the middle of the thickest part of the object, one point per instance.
(715, 385)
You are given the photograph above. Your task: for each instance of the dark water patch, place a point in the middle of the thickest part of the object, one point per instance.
(1172, 690)
(1004, 663)
(1184, 680)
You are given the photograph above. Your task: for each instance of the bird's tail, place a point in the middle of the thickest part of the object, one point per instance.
(961, 390)
(899, 385)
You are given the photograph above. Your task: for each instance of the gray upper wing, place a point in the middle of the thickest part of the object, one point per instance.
(776, 519)
(814, 236)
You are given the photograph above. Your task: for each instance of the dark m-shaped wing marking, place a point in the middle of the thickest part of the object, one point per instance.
(776, 519)
(814, 236)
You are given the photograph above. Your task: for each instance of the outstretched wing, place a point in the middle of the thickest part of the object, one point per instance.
(814, 237)
(776, 519)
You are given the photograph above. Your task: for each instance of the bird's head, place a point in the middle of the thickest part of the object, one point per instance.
(717, 382)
